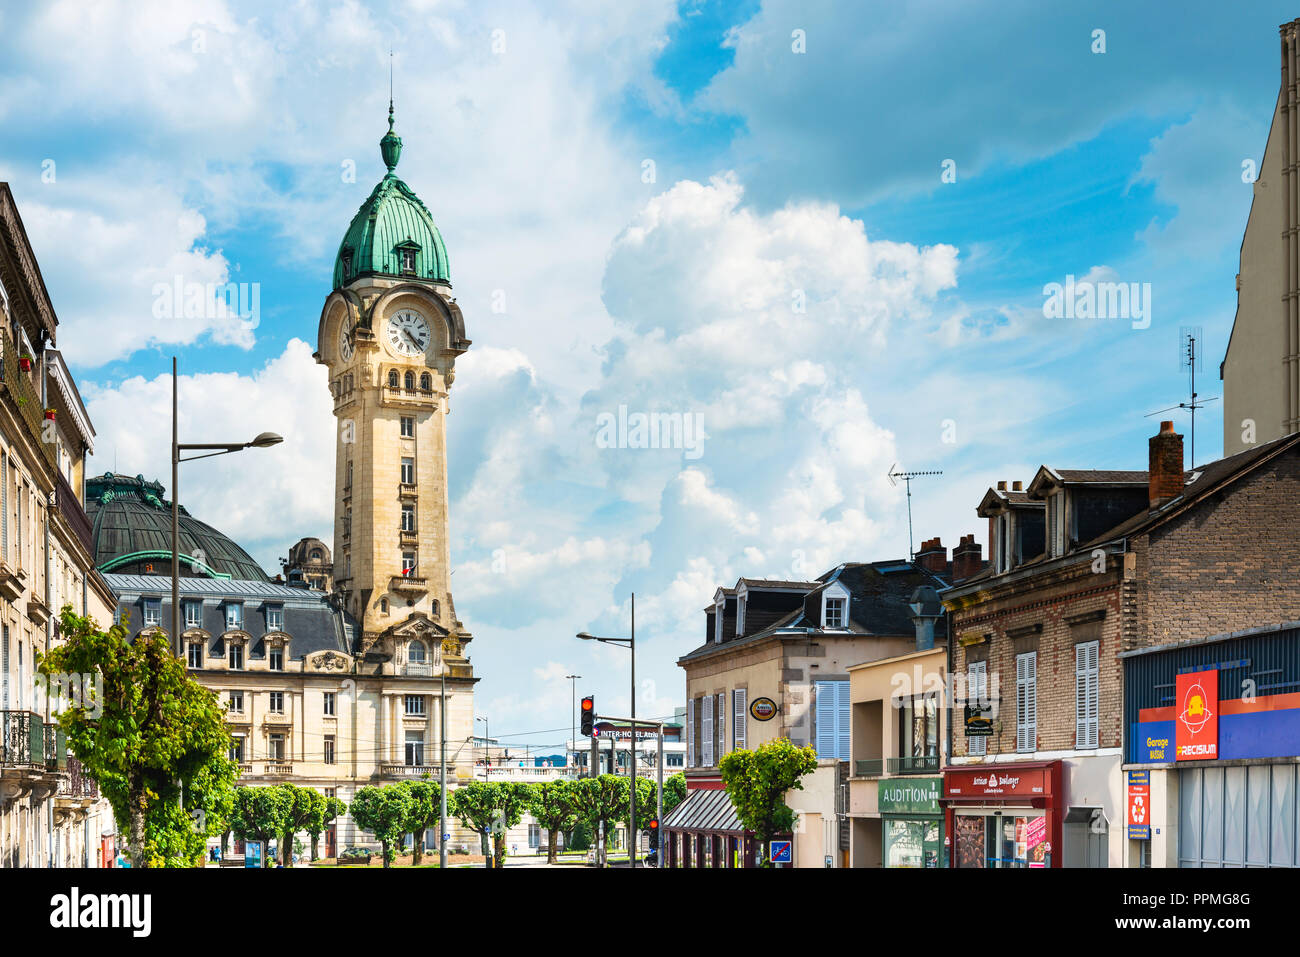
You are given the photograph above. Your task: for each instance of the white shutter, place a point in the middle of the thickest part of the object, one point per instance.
(1086, 694)
(4, 506)
(1027, 701)
(707, 736)
(738, 717)
(721, 709)
(976, 690)
(690, 732)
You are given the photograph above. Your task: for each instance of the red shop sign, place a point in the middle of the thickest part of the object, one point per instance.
(991, 781)
(1196, 730)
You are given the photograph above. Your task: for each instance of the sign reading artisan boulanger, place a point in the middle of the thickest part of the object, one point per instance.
(1196, 732)
(995, 782)
(913, 796)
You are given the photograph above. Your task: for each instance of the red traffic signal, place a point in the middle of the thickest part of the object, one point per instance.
(654, 824)
(588, 715)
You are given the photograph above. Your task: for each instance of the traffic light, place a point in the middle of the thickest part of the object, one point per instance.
(654, 834)
(588, 715)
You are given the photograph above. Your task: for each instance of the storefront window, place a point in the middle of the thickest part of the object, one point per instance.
(912, 843)
(1001, 840)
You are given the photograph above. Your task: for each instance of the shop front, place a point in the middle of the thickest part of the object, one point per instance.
(1003, 815)
(912, 821)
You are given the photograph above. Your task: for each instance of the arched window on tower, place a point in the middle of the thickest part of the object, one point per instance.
(317, 554)
(415, 652)
(410, 381)
(426, 382)
(392, 378)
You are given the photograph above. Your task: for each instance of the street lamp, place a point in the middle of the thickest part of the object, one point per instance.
(630, 643)
(263, 440)
(573, 717)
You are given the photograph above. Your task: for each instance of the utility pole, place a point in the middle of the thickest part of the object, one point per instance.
(442, 768)
(573, 716)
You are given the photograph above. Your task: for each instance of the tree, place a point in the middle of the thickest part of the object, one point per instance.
(600, 801)
(386, 813)
(674, 792)
(259, 814)
(155, 735)
(304, 808)
(647, 806)
(426, 812)
(757, 782)
(513, 799)
(316, 826)
(554, 809)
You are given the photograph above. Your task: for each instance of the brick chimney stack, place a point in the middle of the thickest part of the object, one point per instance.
(1166, 469)
(933, 555)
(966, 558)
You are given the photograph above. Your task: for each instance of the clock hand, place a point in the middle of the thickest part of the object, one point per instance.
(410, 338)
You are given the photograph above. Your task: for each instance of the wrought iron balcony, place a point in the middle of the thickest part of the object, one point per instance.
(921, 764)
(870, 768)
(77, 785)
(55, 748)
(24, 394)
(22, 739)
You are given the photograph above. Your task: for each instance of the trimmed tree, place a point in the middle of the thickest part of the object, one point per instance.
(426, 812)
(386, 813)
(475, 805)
(259, 814)
(153, 736)
(513, 799)
(553, 807)
(757, 782)
(304, 807)
(600, 801)
(647, 806)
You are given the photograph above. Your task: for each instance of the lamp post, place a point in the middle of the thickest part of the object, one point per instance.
(442, 761)
(573, 716)
(630, 643)
(262, 441)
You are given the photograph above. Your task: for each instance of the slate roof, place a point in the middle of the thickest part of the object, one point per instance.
(310, 620)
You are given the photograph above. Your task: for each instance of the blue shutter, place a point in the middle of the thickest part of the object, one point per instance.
(832, 716)
(842, 712)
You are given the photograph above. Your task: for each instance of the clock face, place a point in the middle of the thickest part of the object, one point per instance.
(408, 333)
(345, 342)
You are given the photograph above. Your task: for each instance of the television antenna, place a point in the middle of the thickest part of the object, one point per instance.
(907, 479)
(1191, 359)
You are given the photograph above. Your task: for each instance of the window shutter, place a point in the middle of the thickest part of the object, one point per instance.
(740, 714)
(842, 744)
(4, 506)
(1027, 702)
(832, 715)
(1086, 693)
(4, 670)
(690, 732)
(707, 701)
(976, 688)
(722, 724)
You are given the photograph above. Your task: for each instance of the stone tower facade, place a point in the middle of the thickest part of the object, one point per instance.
(390, 333)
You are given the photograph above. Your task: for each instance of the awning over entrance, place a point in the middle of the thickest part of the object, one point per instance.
(703, 810)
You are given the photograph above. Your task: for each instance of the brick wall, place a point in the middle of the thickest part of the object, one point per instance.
(1049, 615)
(1228, 563)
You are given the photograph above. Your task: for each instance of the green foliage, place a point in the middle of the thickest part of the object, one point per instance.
(647, 805)
(757, 782)
(260, 814)
(306, 810)
(513, 800)
(385, 812)
(601, 801)
(580, 837)
(553, 807)
(491, 807)
(674, 792)
(159, 736)
(426, 812)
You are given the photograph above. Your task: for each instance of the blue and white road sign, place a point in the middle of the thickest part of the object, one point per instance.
(782, 852)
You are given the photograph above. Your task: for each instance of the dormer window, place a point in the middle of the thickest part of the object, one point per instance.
(719, 612)
(193, 613)
(234, 616)
(1003, 543)
(274, 618)
(835, 607)
(407, 257)
(1058, 537)
(346, 258)
(740, 615)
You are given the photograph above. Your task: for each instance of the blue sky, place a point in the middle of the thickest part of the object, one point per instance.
(211, 140)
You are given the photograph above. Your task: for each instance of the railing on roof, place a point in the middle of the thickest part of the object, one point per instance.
(27, 398)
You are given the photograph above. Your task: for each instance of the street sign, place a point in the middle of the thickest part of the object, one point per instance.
(782, 852)
(1139, 805)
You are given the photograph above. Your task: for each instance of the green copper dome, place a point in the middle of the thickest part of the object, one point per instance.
(393, 233)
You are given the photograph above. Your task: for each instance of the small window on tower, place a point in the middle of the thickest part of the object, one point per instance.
(408, 563)
(347, 263)
(408, 260)
(410, 381)
(408, 426)
(392, 379)
(426, 382)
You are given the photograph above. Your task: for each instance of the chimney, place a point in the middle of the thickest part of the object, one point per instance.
(1166, 465)
(1017, 486)
(934, 556)
(966, 559)
(926, 610)
(1002, 486)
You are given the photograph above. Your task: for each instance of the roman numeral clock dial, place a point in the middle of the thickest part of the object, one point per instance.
(408, 333)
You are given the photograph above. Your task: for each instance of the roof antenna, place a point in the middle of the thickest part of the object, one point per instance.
(1188, 356)
(907, 478)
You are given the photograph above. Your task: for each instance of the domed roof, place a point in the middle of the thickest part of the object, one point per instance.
(131, 530)
(391, 224)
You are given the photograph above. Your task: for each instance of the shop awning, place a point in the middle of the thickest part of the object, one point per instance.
(703, 810)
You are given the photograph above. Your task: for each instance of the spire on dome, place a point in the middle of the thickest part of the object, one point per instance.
(390, 147)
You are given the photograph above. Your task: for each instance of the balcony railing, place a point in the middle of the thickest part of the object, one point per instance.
(75, 515)
(924, 764)
(22, 739)
(870, 768)
(77, 785)
(278, 767)
(27, 397)
(56, 748)
(408, 770)
(418, 669)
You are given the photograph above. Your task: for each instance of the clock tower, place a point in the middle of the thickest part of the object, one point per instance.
(390, 333)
